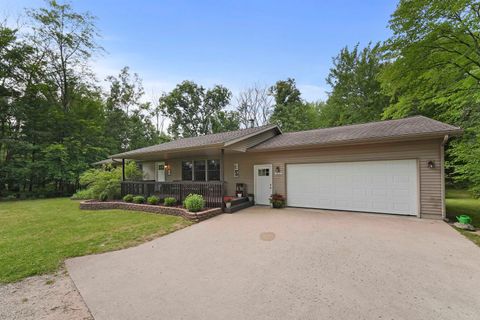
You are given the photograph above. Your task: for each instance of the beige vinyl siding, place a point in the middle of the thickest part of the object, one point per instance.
(424, 151)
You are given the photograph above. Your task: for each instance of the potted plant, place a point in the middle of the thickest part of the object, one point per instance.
(239, 194)
(228, 201)
(277, 201)
(250, 197)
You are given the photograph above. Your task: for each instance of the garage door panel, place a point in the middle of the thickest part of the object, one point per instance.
(371, 186)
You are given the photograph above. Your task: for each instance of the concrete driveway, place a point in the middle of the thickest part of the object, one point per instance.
(319, 265)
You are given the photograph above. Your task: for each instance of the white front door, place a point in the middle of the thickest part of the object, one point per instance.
(263, 183)
(160, 171)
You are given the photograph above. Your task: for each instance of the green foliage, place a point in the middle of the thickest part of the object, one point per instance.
(290, 112)
(436, 58)
(85, 194)
(103, 196)
(278, 201)
(169, 201)
(226, 121)
(193, 110)
(356, 95)
(194, 202)
(128, 198)
(97, 181)
(54, 118)
(138, 199)
(153, 200)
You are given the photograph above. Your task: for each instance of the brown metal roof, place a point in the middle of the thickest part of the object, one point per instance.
(402, 128)
(205, 141)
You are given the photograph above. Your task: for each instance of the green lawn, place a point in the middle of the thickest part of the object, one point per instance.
(37, 235)
(461, 202)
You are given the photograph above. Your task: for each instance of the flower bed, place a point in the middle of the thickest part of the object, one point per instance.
(174, 211)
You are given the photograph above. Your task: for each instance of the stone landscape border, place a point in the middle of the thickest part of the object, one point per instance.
(173, 211)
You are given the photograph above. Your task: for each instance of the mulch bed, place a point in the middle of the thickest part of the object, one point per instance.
(174, 211)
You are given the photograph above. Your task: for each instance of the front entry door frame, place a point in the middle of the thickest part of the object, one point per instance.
(262, 184)
(160, 174)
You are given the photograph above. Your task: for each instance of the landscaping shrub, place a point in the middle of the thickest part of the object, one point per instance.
(96, 181)
(153, 200)
(84, 194)
(103, 196)
(169, 201)
(138, 199)
(128, 198)
(194, 202)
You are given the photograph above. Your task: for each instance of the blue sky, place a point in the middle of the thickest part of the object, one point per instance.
(234, 43)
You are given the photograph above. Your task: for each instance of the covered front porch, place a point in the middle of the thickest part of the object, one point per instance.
(178, 174)
(212, 191)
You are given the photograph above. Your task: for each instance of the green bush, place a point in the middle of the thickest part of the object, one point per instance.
(96, 181)
(138, 199)
(153, 200)
(84, 194)
(194, 202)
(103, 196)
(128, 198)
(169, 201)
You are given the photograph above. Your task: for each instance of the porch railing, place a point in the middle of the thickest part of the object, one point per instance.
(211, 191)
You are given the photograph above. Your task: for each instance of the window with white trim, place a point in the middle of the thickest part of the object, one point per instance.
(201, 170)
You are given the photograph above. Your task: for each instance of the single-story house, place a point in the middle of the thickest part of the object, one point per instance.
(393, 167)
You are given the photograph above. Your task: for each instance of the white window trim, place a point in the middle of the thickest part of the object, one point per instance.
(193, 168)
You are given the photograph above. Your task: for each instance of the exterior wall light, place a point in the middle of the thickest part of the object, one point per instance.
(431, 164)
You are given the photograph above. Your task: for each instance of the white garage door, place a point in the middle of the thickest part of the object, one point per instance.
(369, 186)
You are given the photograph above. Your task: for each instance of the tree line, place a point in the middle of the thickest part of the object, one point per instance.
(56, 120)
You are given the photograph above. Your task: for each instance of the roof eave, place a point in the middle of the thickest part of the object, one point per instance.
(407, 137)
(125, 155)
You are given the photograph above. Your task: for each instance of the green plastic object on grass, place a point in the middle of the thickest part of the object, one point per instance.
(464, 219)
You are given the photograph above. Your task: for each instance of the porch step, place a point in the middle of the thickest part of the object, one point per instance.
(238, 204)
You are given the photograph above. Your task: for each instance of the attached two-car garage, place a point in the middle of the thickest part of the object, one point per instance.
(368, 186)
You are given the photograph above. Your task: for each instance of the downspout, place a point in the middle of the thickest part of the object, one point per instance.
(442, 173)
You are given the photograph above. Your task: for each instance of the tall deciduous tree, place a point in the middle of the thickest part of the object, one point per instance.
(356, 94)
(435, 49)
(192, 109)
(290, 112)
(66, 39)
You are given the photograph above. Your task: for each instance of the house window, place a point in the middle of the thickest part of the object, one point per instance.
(213, 171)
(199, 170)
(187, 171)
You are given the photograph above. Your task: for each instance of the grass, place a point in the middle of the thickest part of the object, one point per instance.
(36, 236)
(461, 202)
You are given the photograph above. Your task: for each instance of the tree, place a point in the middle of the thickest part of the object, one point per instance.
(254, 104)
(435, 54)
(226, 121)
(192, 109)
(290, 112)
(356, 95)
(54, 120)
(66, 39)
